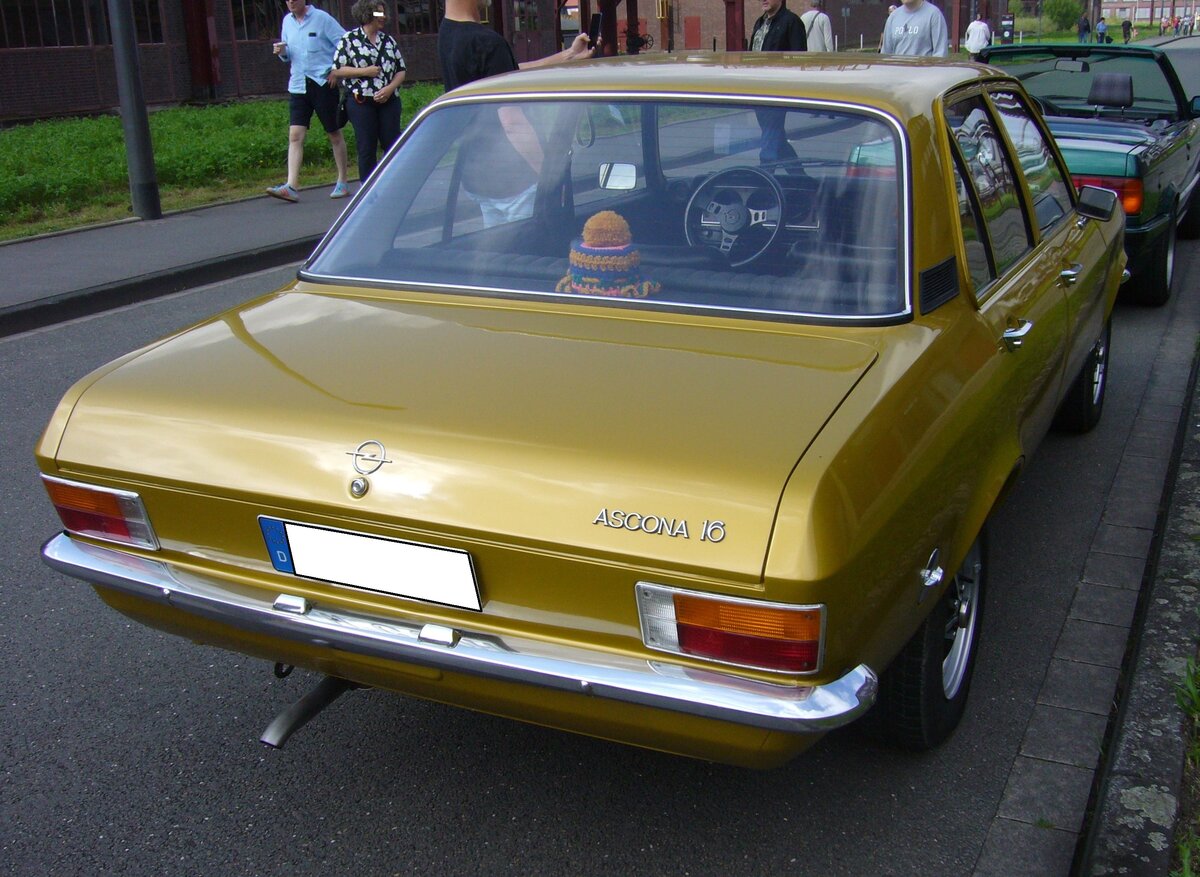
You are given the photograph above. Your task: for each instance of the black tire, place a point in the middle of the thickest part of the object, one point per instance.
(1152, 283)
(923, 694)
(1082, 406)
(1189, 229)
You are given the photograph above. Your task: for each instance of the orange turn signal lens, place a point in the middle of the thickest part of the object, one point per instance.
(747, 633)
(748, 619)
(101, 512)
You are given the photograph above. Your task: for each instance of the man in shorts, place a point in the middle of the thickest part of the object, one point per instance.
(307, 41)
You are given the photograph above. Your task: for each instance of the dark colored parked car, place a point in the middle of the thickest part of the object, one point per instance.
(1124, 121)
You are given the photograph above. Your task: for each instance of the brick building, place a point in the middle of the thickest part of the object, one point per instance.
(197, 50)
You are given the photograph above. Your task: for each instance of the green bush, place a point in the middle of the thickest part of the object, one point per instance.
(1064, 13)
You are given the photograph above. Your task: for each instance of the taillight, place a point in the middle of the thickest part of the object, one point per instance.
(731, 630)
(101, 512)
(1128, 189)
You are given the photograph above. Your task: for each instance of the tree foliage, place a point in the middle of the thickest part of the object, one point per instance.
(1064, 13)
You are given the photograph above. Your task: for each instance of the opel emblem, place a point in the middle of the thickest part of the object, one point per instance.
(369, 457)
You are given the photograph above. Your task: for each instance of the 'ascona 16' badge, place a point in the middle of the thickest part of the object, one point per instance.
(659, 525)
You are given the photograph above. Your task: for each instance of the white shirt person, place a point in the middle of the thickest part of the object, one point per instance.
(979, 37)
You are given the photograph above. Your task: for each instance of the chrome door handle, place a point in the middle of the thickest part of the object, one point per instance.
(1014, 338)
(1070, 275)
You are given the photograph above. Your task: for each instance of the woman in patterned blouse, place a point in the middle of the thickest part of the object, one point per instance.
(369, 63)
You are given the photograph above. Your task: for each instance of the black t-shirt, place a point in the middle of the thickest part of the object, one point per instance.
(470, 51)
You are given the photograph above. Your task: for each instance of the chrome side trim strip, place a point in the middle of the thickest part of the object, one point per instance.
(710, 694)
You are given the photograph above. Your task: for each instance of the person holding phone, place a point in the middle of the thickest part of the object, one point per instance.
(307, 41)
(469, 50)
(504, 156)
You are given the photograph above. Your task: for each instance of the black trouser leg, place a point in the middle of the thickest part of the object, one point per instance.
(389, 123)
(365, 119)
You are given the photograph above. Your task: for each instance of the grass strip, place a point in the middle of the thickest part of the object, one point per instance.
(63, 173)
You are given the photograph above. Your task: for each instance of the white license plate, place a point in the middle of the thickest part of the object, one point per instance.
(373, 563)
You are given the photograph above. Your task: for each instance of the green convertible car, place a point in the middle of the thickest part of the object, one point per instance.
(1124, 122)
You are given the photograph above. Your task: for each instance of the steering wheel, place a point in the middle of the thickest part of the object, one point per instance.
(738, 211)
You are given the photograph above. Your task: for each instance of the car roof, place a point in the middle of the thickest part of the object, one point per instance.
(903, 87)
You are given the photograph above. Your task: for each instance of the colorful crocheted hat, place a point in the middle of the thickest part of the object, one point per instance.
(605, 262)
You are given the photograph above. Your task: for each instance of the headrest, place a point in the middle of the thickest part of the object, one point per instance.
(1111, 90)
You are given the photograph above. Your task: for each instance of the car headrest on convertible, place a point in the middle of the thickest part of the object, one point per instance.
(1112, 90)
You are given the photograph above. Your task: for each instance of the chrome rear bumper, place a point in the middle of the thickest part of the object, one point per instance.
(651, 683)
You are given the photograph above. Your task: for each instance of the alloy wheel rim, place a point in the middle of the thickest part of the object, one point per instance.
(1170, 260)
(1099, 368)
(962, 621)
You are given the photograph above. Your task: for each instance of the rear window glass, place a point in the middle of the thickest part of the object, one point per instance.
(1064, 86)
(781, 210)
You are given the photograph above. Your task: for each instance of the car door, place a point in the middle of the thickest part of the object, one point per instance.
(1076, 246)
(1014, 273)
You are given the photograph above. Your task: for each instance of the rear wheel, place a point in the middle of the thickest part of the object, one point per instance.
(923, 693)
(1189, 229)
(1084, 402)
(1152, 284)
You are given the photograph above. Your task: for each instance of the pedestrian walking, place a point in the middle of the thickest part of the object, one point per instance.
(370, 65)
(916, 28)
(1101, 31)
(1126, 30)
(307, 41)
(778, 29)
(818, 30)
(1083, 28)
(979, 37)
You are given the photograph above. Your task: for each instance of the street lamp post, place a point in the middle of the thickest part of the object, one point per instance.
(139, 152)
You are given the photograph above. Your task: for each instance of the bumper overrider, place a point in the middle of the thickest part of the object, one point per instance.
(707, 694)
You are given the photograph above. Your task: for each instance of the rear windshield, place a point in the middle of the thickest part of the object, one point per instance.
(1068, 86)
(789, 210)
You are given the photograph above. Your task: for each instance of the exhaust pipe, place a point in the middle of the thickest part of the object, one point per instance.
(298, 714)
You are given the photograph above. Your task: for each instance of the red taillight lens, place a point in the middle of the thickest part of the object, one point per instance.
(749, 633)
(101, 512)
(1128, 189)
(753, 651)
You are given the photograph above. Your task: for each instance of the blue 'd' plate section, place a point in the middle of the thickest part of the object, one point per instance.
(277, 545)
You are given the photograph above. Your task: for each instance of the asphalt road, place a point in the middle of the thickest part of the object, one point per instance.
(127, 751)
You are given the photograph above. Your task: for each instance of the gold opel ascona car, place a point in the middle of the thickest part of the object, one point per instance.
(664, 401)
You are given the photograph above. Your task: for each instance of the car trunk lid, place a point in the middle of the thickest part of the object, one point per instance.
(659, 437)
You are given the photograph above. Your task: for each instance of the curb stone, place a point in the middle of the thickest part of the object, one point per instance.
(1139, 791)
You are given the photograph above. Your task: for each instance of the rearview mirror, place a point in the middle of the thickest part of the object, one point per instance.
(622, 177)
(1096, 203)
(1195, 107)
(1071, 65)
